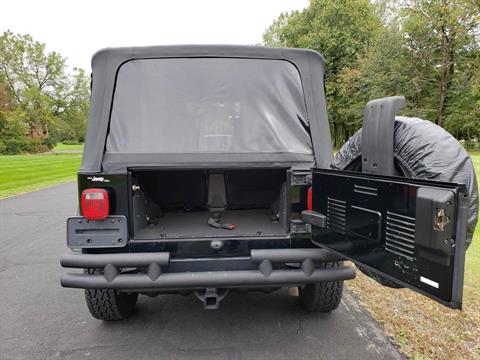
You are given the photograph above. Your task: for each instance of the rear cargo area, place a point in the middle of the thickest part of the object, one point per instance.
(199, 203)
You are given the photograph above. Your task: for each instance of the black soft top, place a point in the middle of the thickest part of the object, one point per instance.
(300, 135)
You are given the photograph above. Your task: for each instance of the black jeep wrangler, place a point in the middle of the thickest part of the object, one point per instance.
(209, 170)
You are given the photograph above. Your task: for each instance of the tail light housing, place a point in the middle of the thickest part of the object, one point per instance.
(95, 204)
(309, 199)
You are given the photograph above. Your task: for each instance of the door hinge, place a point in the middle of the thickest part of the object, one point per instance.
(314, 218)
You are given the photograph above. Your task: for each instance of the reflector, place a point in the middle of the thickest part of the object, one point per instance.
(309, 199)
(95, 204)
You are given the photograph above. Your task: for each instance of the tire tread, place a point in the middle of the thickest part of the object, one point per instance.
(107, 304)
(322, 297)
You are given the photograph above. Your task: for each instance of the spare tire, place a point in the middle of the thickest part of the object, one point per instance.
(422, 150)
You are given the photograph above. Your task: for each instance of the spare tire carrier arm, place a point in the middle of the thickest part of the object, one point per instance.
(377, 135)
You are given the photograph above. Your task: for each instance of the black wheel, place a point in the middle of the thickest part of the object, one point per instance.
(110, 305)
(422, 150)
(322, 297)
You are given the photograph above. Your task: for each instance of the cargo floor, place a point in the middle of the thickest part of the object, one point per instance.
(256, 222)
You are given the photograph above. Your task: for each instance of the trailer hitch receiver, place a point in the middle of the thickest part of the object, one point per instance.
(211, 297)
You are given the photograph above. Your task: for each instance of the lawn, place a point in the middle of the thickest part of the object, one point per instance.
(65, 147)
(22, 173)
(422, 328)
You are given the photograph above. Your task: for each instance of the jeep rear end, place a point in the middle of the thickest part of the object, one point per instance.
(197, 177)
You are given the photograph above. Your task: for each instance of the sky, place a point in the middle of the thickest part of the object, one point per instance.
(77, 29)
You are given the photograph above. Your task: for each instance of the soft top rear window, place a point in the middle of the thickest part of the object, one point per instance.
(217, 105)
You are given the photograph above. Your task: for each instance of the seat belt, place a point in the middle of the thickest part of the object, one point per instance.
(217, 200)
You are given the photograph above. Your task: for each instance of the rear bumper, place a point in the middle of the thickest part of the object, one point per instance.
(156, 271)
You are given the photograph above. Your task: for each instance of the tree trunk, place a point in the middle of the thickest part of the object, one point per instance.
(38, 132)
(335, 134)
(441, 101)
(447, 73)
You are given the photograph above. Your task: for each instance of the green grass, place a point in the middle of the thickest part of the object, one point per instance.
(476, 161)
(23, 173)
(472, 278)
(63, 147)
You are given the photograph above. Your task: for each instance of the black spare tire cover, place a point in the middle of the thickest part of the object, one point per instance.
(426, 151)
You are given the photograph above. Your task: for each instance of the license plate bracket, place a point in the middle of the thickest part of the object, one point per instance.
(83, 233)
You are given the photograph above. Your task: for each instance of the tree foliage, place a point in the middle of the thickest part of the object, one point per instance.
(427, 50)
(40, 102)
(340, 31)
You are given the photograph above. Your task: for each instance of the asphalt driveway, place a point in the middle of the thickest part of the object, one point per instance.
(41, 320)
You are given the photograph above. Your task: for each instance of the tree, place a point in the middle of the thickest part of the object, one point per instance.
(439, 34)
(381, 70)
(40, 92)
(426, 50)
(273, 35)
(35, 80)
(4, 104)
(339, 30)
(76, 107)
(462, 114)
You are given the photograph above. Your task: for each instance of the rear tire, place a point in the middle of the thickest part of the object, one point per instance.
(108, 304)
(322, 297)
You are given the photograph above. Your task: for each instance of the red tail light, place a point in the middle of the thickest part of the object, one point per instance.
(95, 205)
(309, 199)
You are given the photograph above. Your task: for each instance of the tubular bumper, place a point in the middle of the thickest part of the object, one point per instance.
(152, 277)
